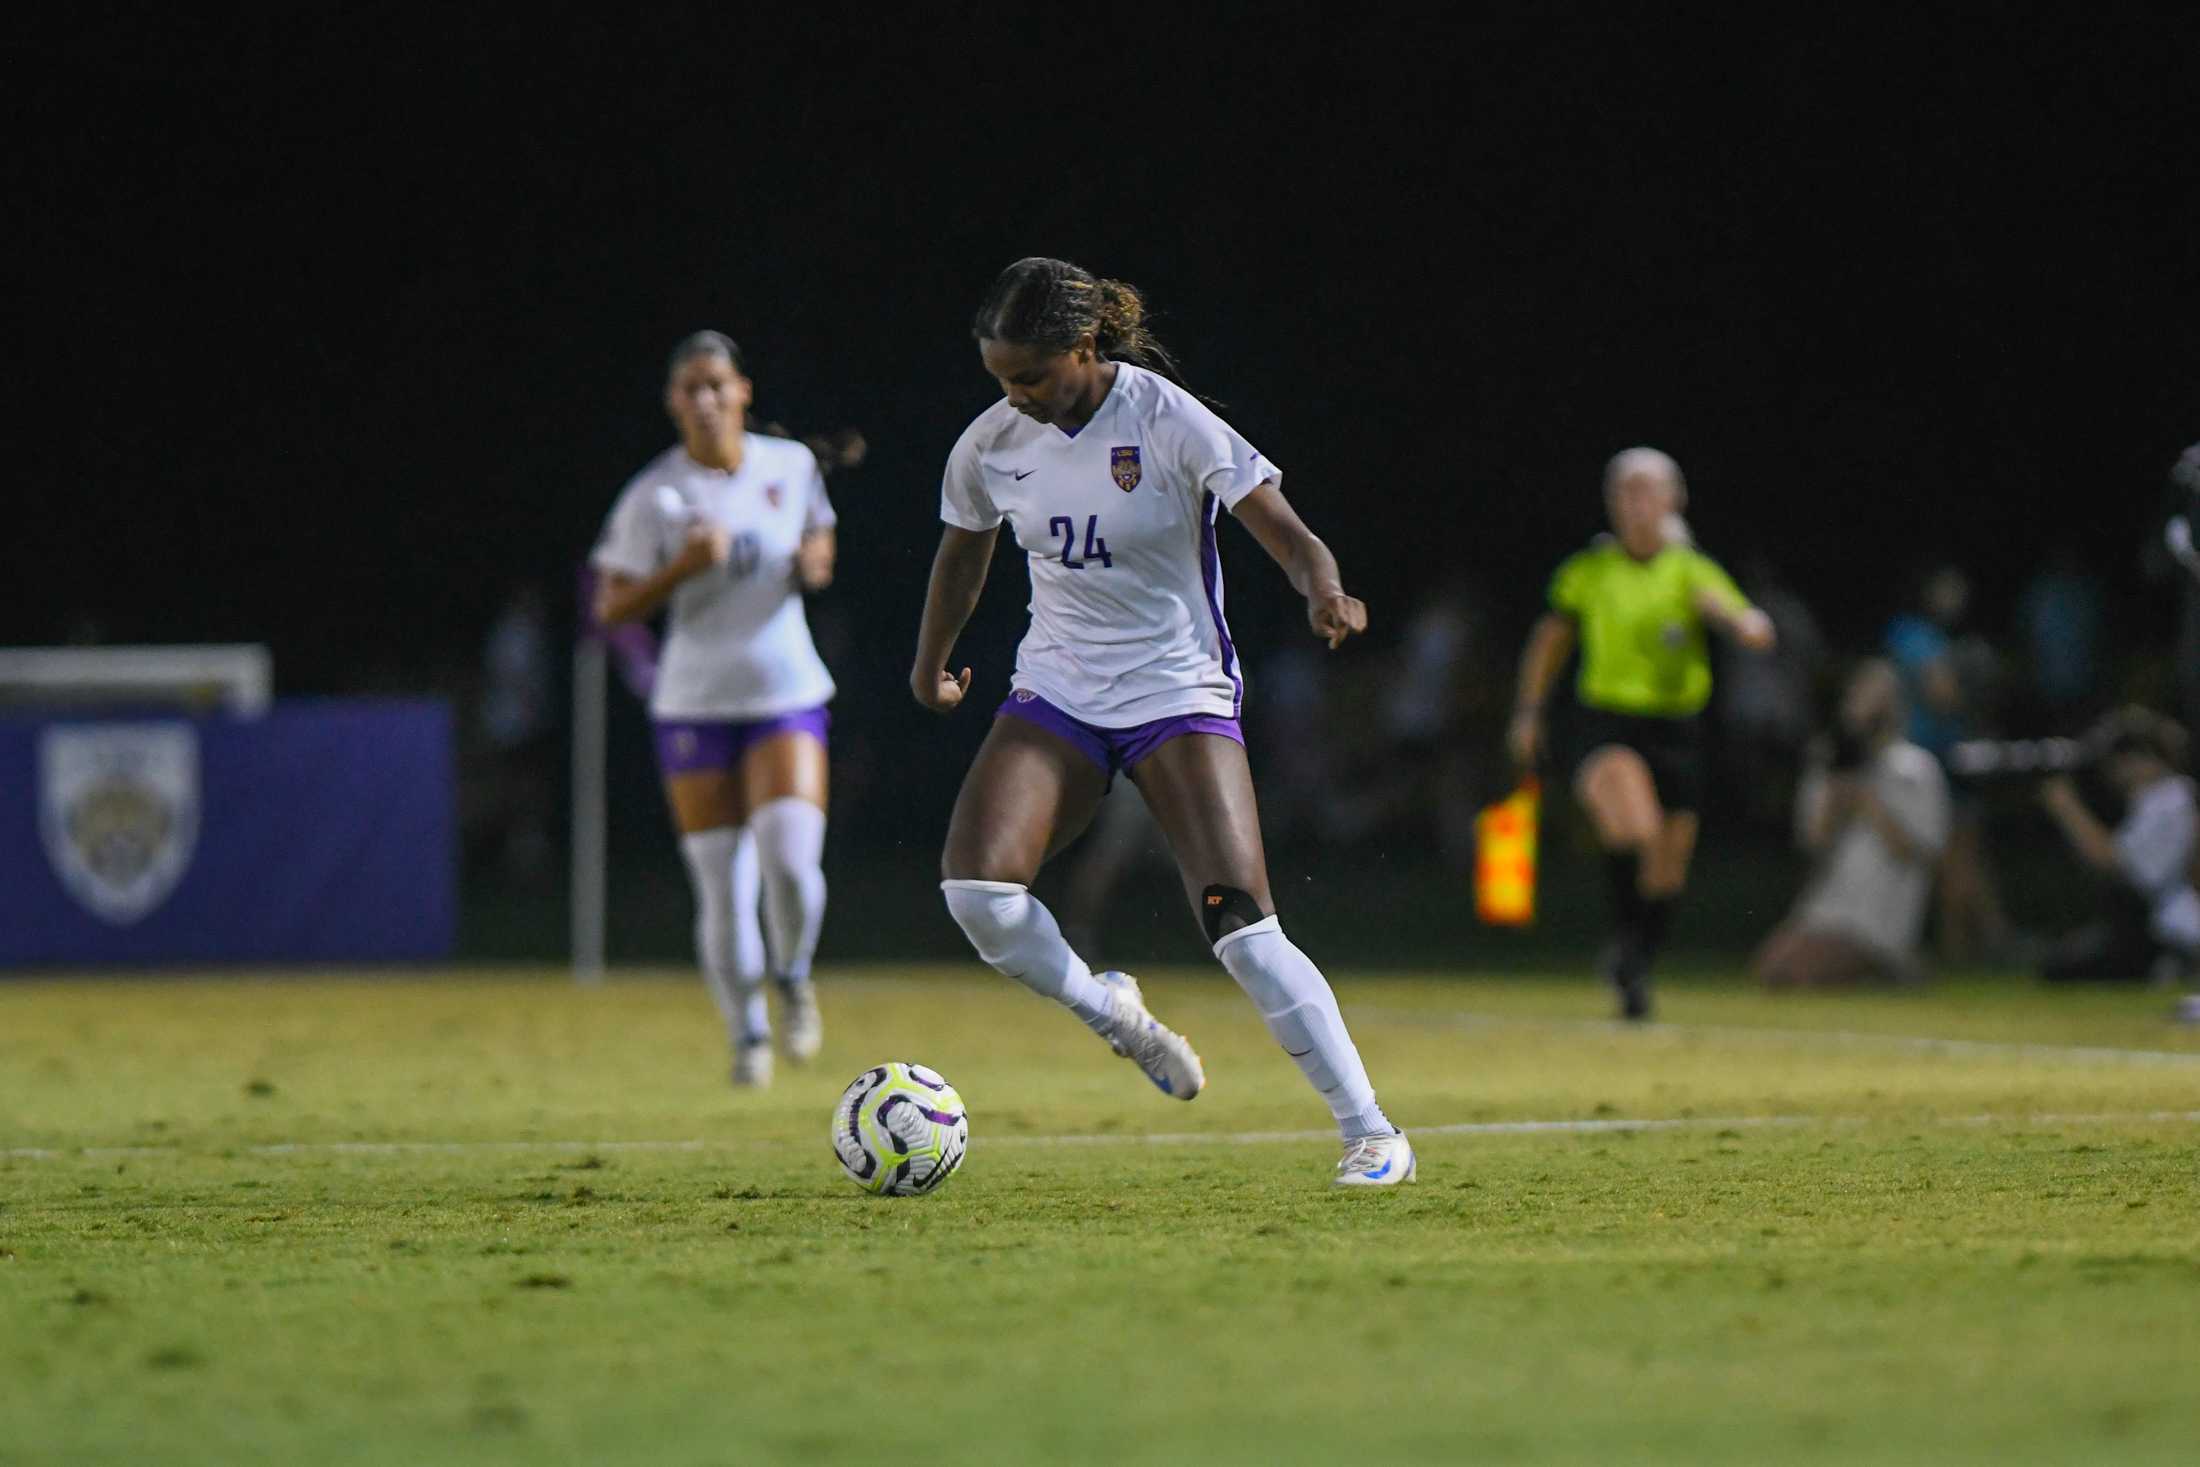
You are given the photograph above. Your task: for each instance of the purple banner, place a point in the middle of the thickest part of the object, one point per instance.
(323, 831)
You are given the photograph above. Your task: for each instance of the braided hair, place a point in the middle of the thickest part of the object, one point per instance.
(1051, 304)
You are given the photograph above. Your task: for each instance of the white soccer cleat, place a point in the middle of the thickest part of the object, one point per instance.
(1377, 1161)
(1165, 1055)
(752, 1063)
(801, 1027)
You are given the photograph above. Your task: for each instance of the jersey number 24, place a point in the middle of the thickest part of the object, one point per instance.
(1095, 547)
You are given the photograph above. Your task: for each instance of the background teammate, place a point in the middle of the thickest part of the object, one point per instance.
(728, 529)
(1113, 477)
(1637, 602)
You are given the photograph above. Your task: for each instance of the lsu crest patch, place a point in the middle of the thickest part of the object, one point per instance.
(118, 806)
(1123, 464)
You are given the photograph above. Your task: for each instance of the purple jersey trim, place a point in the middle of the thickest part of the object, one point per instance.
(1210, 576)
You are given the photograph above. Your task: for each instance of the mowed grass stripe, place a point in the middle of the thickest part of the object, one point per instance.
(1598, 1125)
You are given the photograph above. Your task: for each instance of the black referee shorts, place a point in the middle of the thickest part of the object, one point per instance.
(1672, 747)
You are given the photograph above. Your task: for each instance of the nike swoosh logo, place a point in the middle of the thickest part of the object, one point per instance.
(1019, 478)
(1376, 1176)
(1298, 1053)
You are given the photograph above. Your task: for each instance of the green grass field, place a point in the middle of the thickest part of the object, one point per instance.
(494, 1218)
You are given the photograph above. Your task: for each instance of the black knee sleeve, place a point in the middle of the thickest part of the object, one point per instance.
(1224, 909)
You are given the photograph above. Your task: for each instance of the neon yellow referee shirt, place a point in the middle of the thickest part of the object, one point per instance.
(1643, 648)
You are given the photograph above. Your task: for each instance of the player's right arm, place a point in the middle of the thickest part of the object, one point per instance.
(1549, 645)
(958, 575)
(971, 523)
(622, 597)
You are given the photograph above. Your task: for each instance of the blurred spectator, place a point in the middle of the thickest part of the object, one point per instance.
(1417, 769)
(1289, 733)
(2181, 539)
(1946, 677)
(2152, 926)
(1123, 836)
(1874, 808)
(2059, 619)
(515, 702)
(1941, 667)
(1766, 701)
(517, 724)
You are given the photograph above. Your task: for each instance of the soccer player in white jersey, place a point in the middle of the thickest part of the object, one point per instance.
(1112, 478)
(729, 528)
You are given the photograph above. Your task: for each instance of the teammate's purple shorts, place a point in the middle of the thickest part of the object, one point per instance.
(685, 745)
(1114, 749)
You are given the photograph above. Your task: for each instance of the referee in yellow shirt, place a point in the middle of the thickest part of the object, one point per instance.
(1638, 603)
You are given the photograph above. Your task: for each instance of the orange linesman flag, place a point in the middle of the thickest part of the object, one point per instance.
(1504, 858)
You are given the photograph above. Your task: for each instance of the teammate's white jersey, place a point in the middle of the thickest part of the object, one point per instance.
(737, 645)
(1118, 524)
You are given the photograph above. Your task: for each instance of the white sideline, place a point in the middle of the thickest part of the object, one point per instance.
(1599, 1125)
(1832, 1038)
(1590, 1126)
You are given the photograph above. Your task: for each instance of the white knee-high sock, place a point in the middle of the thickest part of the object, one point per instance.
(722, 867)
(1017, 936)
(1300, 1009)
(790, 845)
(748, 930)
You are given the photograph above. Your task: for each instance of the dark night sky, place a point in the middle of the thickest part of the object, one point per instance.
(335, 330)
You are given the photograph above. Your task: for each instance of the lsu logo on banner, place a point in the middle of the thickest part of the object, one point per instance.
(118, 805)
(1123, 464)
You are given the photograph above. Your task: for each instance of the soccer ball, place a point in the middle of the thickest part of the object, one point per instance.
(899, 1130)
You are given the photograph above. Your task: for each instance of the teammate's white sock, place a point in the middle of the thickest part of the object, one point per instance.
(790, 843)
(1300, 1009)
(748, 939)
(728, 944)
(1017, 936)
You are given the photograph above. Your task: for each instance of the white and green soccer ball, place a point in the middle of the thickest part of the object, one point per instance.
(900, 1130)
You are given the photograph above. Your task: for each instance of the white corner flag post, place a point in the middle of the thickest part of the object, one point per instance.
(591, 663)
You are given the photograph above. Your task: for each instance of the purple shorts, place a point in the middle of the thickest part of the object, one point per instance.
(687, 745)
(1114, 749)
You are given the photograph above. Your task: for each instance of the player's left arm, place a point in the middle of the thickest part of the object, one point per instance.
(814, 558)
(1726, 610)
(1305, 560)
(819, 547)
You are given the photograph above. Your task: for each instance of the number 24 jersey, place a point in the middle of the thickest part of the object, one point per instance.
(1118, 525)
